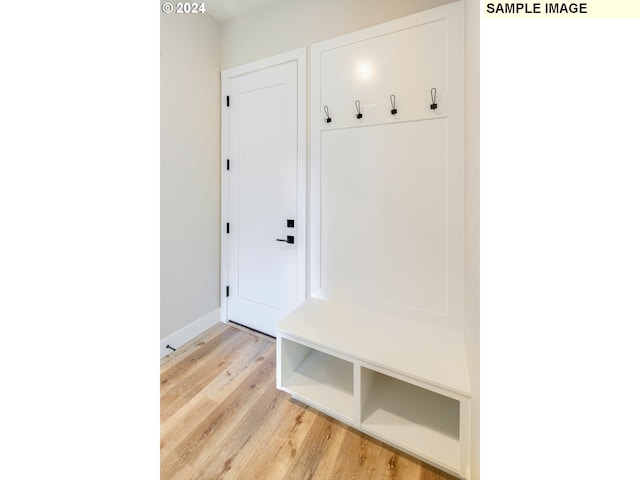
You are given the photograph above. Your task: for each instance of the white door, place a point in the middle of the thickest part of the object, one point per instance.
(265, 212)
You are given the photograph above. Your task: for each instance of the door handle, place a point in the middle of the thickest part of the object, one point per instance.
(289, 239)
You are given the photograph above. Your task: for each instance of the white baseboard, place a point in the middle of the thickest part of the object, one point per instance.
(189, 332)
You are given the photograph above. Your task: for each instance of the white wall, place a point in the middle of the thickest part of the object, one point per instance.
(471, 322)
(190, 169)
(290, 24)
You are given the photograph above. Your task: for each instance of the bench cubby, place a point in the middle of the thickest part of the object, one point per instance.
(420, 421)
(322, 380)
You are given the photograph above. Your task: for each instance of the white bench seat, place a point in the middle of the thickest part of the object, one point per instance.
(425, 353)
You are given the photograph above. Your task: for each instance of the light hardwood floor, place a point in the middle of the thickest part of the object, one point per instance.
(222, 417)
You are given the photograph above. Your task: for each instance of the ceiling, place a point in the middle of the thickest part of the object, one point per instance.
(223, 10)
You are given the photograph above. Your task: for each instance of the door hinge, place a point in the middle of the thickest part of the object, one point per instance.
(227, 290)
(228, 163)
(227, 227)
(227, 100)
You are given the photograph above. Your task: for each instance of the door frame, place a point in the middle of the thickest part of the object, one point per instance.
(300, 57)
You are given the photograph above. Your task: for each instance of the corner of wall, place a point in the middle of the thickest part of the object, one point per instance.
(472, 222)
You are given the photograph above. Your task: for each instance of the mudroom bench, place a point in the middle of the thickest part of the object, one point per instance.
(400, 381)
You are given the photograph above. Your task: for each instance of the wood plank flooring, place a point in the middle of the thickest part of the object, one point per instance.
(221, 417)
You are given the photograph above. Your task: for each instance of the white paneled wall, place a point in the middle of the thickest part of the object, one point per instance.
(406, 63)
(383, 237)
(387, 190)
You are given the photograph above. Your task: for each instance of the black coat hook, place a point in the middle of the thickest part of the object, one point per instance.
(394, 110)
(434, 105)
(358, 115)
(326, 112)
